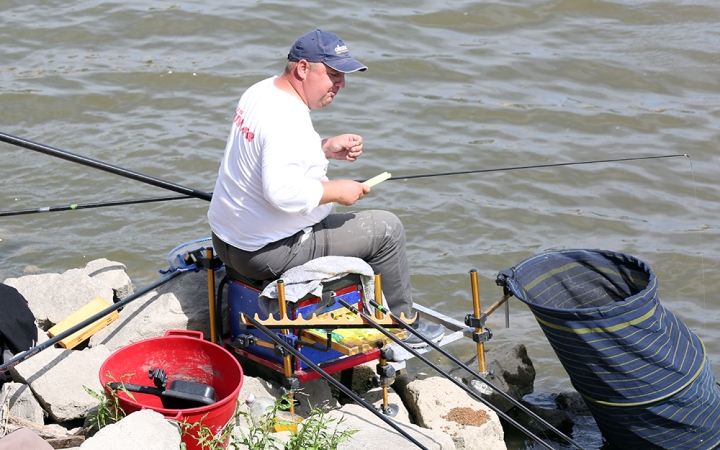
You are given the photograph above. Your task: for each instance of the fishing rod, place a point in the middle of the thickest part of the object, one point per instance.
(536, 166)
(42, 148)
(52, 151)
(469, 391)
(473, 373)
(77, 206)
(90, 320)
(329, 378)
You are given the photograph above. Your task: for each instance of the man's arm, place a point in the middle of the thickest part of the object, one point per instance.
(344, 192)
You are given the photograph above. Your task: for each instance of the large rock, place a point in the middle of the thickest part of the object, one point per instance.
(439, 404)
(510, 371)
(58, 379)
(314, 393)
(374, 432)
(23, 403)
(141, 430)
(180, 304)
(38, 365)
(375, 398)
(111, 273)
(53, 297)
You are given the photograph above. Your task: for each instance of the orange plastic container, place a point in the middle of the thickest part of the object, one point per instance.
(184, 355)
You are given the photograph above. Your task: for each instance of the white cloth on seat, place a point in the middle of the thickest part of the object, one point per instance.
(308, 278)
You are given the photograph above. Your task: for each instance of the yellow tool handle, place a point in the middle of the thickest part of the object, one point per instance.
(377, 179)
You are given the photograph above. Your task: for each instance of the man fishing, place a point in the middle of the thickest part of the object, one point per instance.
(272, 207)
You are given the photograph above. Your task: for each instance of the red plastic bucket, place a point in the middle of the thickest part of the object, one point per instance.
(184, 355)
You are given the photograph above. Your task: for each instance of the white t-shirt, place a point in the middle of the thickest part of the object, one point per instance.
(269, 182)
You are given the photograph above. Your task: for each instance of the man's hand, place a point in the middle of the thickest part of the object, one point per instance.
(345, 146)
(344, 192)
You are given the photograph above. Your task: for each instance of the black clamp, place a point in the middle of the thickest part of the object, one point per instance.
(244, 341)
(385, 371)
(327, 299)
(200, 259)
(280, 351)
(503, 278)
(475, 322)
(482, 337)
(290, 384)
(386, 352)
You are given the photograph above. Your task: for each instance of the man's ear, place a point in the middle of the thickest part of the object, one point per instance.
(302, 68)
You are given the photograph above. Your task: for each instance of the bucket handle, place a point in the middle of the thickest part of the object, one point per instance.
(187, 333)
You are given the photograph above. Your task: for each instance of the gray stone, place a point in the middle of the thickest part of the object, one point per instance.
(375, 398)
(434, 402)
(58, 379)
(141, 430)
(42, 336)
(52, 297)
(573, 403)
(23, 403)
(111, 273)
(362, 376)
(374, 432)
(556, 418)
(180, 304)
(371, 430)
(510, 370)
(314, 393)
(38, 364)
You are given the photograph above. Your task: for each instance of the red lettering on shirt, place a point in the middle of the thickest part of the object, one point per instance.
(247, 134)
(238, 121)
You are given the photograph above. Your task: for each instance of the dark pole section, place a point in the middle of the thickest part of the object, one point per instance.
(77, 206)
(332, 380)
(537, 166)
(35, 350)
(20, 142)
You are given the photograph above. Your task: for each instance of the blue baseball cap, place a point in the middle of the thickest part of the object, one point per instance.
(324, 47)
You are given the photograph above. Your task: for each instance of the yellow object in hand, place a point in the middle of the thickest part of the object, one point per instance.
(378, 179)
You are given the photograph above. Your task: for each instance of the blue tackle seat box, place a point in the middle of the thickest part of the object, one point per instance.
(243, 298)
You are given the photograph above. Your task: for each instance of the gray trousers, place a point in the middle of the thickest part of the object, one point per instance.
(375, 236)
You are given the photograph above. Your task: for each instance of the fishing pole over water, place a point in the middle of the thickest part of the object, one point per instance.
(193, 193)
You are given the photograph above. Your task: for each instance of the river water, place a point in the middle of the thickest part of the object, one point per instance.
(152, 87)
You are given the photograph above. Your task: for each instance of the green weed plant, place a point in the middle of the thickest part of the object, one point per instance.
(316, 432)
(109, 410)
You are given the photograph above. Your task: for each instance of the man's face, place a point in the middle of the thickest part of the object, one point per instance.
(322, 84)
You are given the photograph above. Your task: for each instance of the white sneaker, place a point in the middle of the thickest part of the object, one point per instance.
(433, 332)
